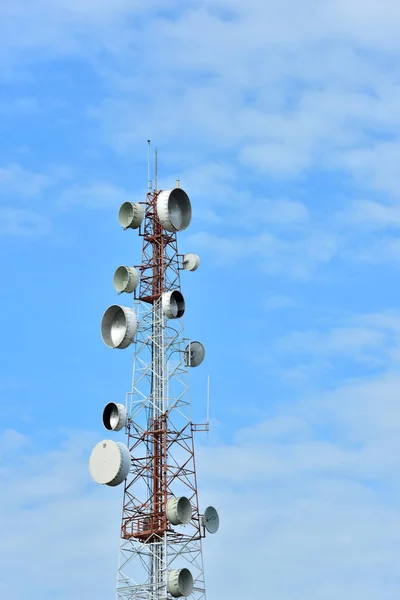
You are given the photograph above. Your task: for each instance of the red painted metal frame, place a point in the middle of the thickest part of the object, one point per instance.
(155, 468)
(147, 520)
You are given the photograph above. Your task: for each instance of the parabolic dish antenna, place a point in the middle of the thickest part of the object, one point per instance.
(194, 354)
(109, 463)
(118, 326)
(191, 261)
(173, 304)
(114, 416)
(211, 519)
(180, 583)
(130, 215)
(179, 511)
(126, 279)
(174, 210)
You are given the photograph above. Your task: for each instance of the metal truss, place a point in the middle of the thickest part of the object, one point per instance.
(160, 436)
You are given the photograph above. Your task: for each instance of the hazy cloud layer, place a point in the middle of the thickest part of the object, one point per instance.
(281, 121)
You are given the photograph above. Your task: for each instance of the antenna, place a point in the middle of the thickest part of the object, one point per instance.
(162, 526)
(211, 520)
(149, 182)
(208, 402)
(156, 167)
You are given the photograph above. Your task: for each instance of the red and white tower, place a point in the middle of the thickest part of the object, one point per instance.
(162, 527)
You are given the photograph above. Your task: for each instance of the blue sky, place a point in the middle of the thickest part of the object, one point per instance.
(281, 120)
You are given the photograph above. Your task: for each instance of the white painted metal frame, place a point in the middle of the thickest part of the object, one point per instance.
(159, 384)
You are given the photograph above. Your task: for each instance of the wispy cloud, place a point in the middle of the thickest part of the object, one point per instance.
(271, 254)
(328, 349)
(321, 506)
(314, 113)
(93, 195)
(276, 302)
(16, 182)
(23, 222)
(370, 215)
(284, 132)
(350, 340)
(50, 486)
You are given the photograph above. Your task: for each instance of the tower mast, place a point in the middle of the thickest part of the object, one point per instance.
(162, 528)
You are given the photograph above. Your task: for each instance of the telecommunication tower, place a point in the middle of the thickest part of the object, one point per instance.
(162, 527)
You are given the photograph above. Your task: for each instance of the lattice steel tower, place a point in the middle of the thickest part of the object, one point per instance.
(162, 527)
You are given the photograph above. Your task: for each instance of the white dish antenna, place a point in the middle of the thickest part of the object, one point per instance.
(114, 416)
(179, 511)
(130, 215)
(173, 304)
(109, 463)
(194, 354)
(174, 210)
(118, 326)
(180, 583)
(211, 520)
(191, 261)
(126, 279)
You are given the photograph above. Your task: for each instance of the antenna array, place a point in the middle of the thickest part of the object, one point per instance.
(162, 527)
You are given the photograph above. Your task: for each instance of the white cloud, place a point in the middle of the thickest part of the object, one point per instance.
(379, 250)
(375, 165)
(23, 222)
(277, 158)
(324, 511)
(370, 230)
(352, 343)
(388, 321)
(327, 347)
(349, 340)
(74, 531)
(295, 258)
(371, 215)
(314, 477)
(276, 302)
(11, 441)
(281, 97)
(94, 195)
(308, 496)
(16, 182)
(279, 101)
(221, 198)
